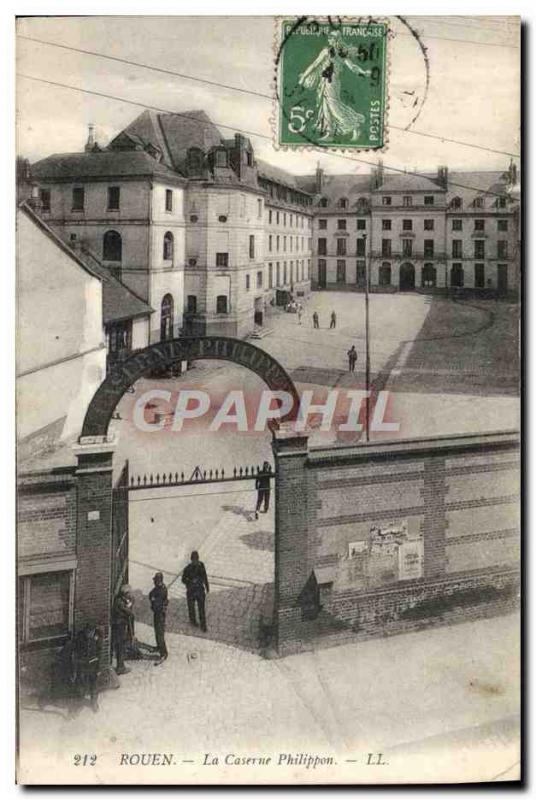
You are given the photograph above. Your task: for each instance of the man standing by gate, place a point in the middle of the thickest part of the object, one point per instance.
(195, 579)
(158, 597)
(122, 625)
(262, 485)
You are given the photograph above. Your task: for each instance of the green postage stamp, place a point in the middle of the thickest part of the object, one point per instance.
(332, 83)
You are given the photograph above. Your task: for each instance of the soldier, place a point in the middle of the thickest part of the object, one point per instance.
(158, 597)
(333, 320)
(352, 358)
(315, 320)
(122, 626)
(195, 579)
(262, 485)
(87, 653)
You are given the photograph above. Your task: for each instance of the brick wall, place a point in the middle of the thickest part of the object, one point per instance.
(390, 526)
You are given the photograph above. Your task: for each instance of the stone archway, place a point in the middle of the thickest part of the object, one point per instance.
(407, 277)
(125, 373)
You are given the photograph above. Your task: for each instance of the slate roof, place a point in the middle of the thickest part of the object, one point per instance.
(106, 164)
(408, 182)
(174, 134)
(278, 175)
(468, 185)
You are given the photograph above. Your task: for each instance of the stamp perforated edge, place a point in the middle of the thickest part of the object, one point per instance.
(274, 117)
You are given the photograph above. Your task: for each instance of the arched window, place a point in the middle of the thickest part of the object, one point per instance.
(428, 275)
(385, 274)
(168, 246)
(191, 304)
(221, 304)
(456, 202)
(166, 318)
(323, 202)
(112, 246)
(456, 275)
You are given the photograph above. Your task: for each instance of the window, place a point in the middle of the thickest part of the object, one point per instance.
(222, 218)
(456, 275)
(456, 248)
(501, 202)
(479, 276)
(343, 202)
(385, 274)
(114, 195)
(119, 336)
(222, 260)
(270, 276)
(278, 274)
(428, 248)
(284, 219)
(46, 603)
(259, 279)
(457, 224)
(341, 271)
(322, 247)
(270, 217)
(456, 202)
(386, 248)
(291, 272)
(322, 224)
(428, 276)
(277, 217)
(259, 208)
(78, 199)
(478, 202)
(428, 199)
(386, 201)
(284, 273)
(428, 224)
(290, 220)
(360, 247)
(220, 158)
(360, 273)
(270, 243)
(323, 202)
(479, 224)
(191, 304)
(112, 246)
(252, 246)
(247, 282)
(502, 224)
(44, 196)
(277, 243)
(341, 247)
(361, 224)
(386, 224)
(341, 224)
(249, 158)
(169, 200)
(407, 225)
(407, 247)
(221, 304)
(479, 248)
(166, 318)
(168, 246)
(407, 200)
(502, 248)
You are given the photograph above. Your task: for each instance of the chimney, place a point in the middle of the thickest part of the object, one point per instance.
(319, 183)
(443, 177)
(377, 175)
(512, 173)
(90, 144)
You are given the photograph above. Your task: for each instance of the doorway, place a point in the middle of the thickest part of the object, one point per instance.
(407, 277)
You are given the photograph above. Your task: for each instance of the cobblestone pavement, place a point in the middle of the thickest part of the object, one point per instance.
(425, 700)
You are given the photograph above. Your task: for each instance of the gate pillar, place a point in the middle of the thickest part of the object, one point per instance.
(291, 531)
(92, 602)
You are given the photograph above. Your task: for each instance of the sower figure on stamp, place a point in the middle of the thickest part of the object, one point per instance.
(158, 597)
(88, 651)
(195, 579)
(262, 485)
(122, 626)
(352, 358)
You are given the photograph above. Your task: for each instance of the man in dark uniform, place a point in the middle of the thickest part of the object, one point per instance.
(195, 579)
(333, 320)
(87, 653)
(158, 597)
(262, 485)
(122, 625)
(315, 320)
(352, 358)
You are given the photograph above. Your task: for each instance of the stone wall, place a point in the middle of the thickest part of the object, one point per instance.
(397, 535)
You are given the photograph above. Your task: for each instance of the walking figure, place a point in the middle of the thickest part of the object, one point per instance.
(300, 312)
(315, 320)
(262, 485)
(88, 649)
(333, 320)
(195, 579)
(122, 626)
(352, 358)
(158, 597)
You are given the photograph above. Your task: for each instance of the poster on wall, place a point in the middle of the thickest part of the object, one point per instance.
(410, 559)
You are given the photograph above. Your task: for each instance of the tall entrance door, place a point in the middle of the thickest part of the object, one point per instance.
(502, 278)
(407, 277)
(321, 273)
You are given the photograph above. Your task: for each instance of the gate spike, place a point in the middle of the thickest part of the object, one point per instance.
(151, 479)
(182, 477)
(234, 472)
(170, 478)
(222, 473)
(247, 470)
(176, 477)
(240, 472)
(217, 471)
(158, 477)
(252, 470)
(139, 479)
(163, 477)
(204, 474)
(210, 474)
(144, 480)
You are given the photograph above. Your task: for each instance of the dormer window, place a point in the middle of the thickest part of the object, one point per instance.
(478, 202)
(343, 202)
(220, 158)
(456, 202)
(323, 202)
(195, 161)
